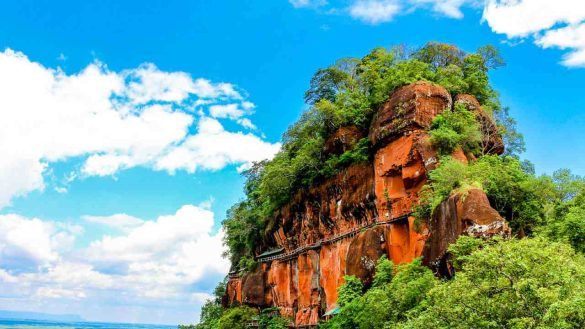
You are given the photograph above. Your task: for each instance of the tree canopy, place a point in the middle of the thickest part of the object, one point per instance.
(526, 283)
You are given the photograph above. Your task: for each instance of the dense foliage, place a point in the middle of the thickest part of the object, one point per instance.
(347, 94)
(527, 283)
(215, 316)
(565, 209)
(517, 195)
(457, 128)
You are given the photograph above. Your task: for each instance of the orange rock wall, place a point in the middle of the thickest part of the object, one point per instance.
(305, 287)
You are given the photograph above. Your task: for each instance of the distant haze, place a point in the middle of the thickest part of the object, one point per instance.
(39, 316)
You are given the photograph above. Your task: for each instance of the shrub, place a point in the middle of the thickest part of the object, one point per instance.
(350, 290)
(456, 128)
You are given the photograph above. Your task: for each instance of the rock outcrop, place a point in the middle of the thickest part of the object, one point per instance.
(344, 224)
(464, 213)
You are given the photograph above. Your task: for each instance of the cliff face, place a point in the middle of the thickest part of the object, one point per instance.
(344, 224)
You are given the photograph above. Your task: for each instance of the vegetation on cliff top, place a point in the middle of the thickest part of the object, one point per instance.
(348, 93)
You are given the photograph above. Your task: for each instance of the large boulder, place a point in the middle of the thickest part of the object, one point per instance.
(410, 107)
(400, 169)
(364, 252)
(253, 287)
(335, 205)
(465, 213)
(233, 293)
(308, 288)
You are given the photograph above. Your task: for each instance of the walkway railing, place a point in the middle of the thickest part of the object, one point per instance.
(335, 238)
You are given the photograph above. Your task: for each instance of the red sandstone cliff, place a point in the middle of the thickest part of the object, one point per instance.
(344, 224)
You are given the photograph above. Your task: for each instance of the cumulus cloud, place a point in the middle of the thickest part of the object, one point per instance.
(159, 260)
(570, 37)
(31, 243)
(213, 148)
(449, 8)
(121, 222)
(232, 111)
(111, 120)
(380, 11)
(558, 24)
(374, 11)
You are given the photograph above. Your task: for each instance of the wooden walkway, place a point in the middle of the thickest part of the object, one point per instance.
(300, 250)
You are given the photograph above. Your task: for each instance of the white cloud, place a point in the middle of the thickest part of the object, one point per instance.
(449, 8)
(232, 111)
(307, 3)
(112, 121)
(519, 18)
(30, 243)
(147, 83)
(374, 11)
(46, 292)
(557, 24)
(246, 123)
(121, 222)
(570, 37)
(213, 148)
(549, 24)
(171, 258)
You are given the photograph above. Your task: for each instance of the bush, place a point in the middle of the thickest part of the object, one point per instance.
(271, 319)
(350, 290)
(389, 301)
(457, 128)
(236, 318)
(565, 213)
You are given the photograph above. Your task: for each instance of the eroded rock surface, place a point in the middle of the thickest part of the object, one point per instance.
(464, 213)
(344, 224)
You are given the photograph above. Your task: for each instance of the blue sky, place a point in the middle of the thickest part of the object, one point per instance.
(121, 171)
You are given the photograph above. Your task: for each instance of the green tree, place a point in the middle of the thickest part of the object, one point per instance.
(350, 290)
(516, 195)
(384, 272)
(236, 318)
(440, 55)
(565, 210)
(527, 283)
(513, 140)
(387, 303)
(271, 319)
(457, 128)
